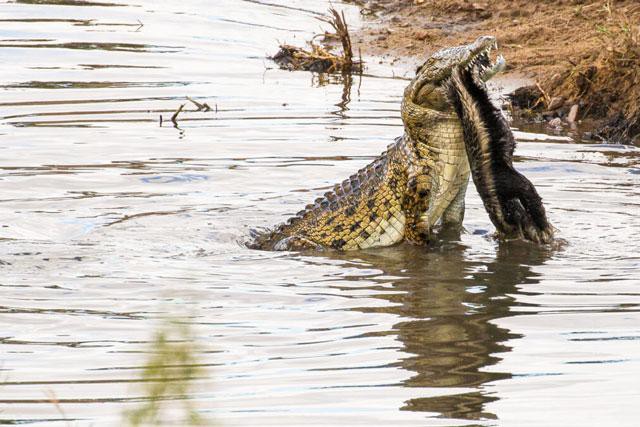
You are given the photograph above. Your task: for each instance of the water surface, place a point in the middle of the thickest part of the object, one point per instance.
(109, 222)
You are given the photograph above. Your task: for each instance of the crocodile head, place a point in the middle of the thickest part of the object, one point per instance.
(429, 88)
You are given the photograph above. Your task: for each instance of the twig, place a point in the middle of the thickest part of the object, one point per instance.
(138, 215)
(175, 115)
(547, 100)
(339, 24)
(201, 107)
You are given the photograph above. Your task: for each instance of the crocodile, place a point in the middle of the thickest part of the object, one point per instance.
(418, 182)
(510, 199)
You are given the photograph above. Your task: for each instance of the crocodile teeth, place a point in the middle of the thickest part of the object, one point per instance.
(485, 68)
(494, 69)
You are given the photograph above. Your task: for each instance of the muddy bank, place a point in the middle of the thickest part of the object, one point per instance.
(583, 55)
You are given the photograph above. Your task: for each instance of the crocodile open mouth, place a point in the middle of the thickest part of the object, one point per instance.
(433, 77)
(483, 65)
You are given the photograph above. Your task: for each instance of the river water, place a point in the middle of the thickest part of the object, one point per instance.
(111, 222)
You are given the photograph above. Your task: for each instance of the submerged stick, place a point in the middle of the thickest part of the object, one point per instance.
(175, 115)
(201, 106)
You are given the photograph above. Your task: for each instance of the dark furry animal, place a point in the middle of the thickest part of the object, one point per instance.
(511, 200)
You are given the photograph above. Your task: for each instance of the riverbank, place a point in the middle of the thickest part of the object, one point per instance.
(584, 56)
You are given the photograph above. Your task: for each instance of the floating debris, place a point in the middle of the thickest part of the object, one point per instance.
(321, 59)
(174, 118)
(201, 106)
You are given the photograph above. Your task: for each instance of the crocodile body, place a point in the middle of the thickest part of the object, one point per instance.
(400, 195)
(419, 180)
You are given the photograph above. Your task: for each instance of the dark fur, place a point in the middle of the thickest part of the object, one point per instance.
(518, 201)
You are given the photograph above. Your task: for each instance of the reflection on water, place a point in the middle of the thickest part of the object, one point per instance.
(68, 3)
(111, 220)
(117, 47)
(449, 302)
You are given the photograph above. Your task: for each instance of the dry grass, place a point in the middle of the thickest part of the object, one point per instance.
(606, 80)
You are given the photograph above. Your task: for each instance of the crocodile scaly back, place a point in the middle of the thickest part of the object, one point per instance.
(362, 211)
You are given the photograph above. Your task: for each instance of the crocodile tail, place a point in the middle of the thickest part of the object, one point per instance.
(344, 199)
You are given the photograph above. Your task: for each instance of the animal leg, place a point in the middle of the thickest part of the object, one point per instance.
(453, 215)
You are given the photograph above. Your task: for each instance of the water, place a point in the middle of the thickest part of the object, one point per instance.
(110, 222)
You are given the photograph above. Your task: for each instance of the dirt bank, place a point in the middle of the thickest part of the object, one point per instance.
(584, 55)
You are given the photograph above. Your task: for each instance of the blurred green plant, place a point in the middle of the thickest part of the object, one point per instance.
(168, 376)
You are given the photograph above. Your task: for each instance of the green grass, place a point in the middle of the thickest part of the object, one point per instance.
(168, 376)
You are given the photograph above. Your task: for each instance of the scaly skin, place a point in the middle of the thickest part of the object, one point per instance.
(400, 195)
(416, 182)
